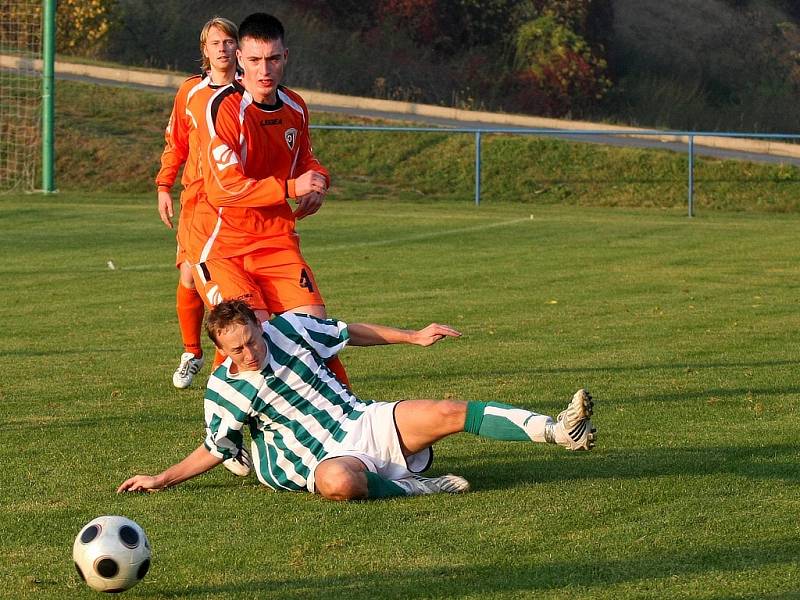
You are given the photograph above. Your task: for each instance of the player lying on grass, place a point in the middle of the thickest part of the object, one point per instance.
(310, 432)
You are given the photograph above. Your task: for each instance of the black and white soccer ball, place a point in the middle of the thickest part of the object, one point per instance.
(111, 554)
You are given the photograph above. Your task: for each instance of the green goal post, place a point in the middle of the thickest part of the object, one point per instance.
(27, 95)
(48, 94)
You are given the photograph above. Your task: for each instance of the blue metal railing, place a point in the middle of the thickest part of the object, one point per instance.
(567, 133)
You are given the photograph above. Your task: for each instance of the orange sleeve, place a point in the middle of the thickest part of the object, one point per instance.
(176, 138)
(225, 181)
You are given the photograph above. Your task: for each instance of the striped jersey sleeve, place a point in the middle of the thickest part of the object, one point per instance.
(228, 407)
(325, 337)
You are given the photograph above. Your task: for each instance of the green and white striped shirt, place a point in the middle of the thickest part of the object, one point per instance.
(295, 408)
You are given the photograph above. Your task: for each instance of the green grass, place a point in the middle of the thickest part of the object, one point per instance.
(97, 149)
(684, 330)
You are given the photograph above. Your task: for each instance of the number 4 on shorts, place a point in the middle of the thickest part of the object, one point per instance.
(305, 281)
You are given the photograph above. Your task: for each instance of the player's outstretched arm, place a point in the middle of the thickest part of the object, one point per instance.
(199, 461)
(369, 334)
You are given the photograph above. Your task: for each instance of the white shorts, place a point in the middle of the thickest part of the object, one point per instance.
(374, 441)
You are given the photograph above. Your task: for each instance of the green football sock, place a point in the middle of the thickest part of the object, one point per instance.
(505, 422)
(378, 487)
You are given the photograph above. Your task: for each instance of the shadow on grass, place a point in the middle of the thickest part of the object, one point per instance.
(517, 465)
(581, 371)
(717, 393)
(516, 579)
(103, 422)
(29, 353)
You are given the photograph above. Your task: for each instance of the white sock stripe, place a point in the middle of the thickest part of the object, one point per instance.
(517, 416)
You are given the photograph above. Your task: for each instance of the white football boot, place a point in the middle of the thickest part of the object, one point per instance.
(417, 486)
(574, 429)
(187, 369)
(240, 464)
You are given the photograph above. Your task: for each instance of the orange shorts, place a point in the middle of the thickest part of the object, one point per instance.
(255, 279)
(180, 256)
(188, 202)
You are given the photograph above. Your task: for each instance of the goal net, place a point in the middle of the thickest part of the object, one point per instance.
(20, 93)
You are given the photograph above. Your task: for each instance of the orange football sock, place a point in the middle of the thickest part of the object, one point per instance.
(337, 368)
(190, 310)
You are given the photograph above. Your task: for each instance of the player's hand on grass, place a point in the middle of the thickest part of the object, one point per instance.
(308, 205)
(432, 334)
(310, 181)
(140, 483)
(165, 209)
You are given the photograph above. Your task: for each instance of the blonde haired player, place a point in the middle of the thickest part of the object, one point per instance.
(218, 50)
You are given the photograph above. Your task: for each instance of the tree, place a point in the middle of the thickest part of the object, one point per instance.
(82, 26)
(557, 71)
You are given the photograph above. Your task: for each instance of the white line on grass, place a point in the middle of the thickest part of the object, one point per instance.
(385, 242)
(417, 237)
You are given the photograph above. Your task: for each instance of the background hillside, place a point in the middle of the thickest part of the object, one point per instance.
(707, 64)
(92, 142)
(685, 64)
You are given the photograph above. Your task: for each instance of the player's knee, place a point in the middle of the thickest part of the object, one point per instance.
(186, 276)
(335, 482)
(315, 310)
(452, 412)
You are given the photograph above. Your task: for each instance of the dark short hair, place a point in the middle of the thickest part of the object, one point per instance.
(227, 313)
(261, 26)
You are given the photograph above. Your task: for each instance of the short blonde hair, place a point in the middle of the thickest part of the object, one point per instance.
(221, 23)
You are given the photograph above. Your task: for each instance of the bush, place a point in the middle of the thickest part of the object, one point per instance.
(557, 71)
(82, 26)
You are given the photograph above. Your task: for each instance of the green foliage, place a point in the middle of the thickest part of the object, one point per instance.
(82, 26)
(558, 72)
(447, 26)
(450, 52)
(463, 53)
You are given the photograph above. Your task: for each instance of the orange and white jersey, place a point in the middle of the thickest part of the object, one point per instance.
(181, 146)
(250, 156)
(176, 137)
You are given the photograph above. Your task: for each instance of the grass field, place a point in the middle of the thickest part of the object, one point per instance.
(684, 330)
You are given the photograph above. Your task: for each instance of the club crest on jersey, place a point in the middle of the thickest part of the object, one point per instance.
(290, 135)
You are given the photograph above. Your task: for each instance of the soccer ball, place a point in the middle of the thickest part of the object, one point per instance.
(111, 554)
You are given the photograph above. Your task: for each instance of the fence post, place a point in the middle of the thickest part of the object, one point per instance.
(477, 168)
(691, 176)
